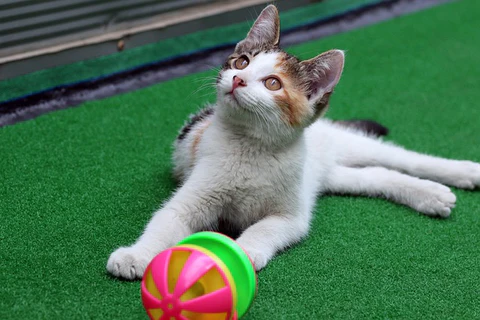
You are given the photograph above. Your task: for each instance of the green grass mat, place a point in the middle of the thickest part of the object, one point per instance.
(92, 68)
(75, 184)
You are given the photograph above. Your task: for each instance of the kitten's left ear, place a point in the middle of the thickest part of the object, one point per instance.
(264, 34)
(321, 74)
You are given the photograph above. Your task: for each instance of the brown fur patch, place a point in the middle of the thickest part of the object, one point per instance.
(197, 137)
(294, 106)
(292, 101)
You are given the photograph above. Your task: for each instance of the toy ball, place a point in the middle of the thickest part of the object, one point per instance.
(205, 276)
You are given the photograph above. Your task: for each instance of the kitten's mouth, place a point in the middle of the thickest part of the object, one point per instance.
(232, 96)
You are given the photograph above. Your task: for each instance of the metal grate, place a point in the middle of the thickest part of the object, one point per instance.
(30, 24)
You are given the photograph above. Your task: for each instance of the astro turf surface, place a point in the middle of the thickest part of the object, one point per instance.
(76, 184)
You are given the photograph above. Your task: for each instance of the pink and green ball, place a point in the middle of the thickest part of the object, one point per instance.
(206, 276)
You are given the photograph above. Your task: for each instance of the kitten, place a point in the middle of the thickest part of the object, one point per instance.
(258, 158)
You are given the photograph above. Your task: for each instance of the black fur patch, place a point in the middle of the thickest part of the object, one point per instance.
(370, 127)
(199, 117)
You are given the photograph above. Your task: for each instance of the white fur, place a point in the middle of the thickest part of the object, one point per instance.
(270, 192)
(246, 165)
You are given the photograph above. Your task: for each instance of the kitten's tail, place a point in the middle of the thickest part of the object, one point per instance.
(367, 126)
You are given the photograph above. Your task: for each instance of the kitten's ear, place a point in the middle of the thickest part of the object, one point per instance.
(321, 74)
(265, 32)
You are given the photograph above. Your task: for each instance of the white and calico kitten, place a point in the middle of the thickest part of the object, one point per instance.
(259, 158)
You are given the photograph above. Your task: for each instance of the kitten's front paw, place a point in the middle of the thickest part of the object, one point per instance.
(434, 199)
(258, 258)
(466, 175)
(128, 263)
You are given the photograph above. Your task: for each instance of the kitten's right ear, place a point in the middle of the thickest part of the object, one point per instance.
(264, 34)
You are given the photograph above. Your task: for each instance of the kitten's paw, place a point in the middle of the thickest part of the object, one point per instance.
(128, 263)
(434, 199)
(466, 175)
(258, 258)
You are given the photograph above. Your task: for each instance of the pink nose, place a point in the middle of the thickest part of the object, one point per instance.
(237, 81)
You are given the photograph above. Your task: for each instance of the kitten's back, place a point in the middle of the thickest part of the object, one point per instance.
(370, 127)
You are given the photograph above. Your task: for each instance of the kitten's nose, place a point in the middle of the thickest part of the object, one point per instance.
(237, 81)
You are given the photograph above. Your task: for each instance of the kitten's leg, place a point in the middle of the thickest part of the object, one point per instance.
(358, 151)
(191, 209)
(425, 196)
(265, 238)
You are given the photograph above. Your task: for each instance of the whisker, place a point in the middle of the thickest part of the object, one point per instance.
(210, 86)
(205, 80)
(213, 68)
(259, 111)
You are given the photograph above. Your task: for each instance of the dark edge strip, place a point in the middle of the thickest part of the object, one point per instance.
(70, 95)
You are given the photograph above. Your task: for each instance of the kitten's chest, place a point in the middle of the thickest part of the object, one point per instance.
(253, 192)
(255, 180)
(244, 162)
(249, 171)
(257, 189)
(251, 176)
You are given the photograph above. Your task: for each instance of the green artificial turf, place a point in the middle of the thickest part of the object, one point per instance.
(75, 184)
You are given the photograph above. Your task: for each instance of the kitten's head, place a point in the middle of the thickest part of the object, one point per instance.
(266, 88)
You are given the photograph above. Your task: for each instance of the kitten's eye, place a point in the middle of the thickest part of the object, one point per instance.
(241, 63)
(272, 84)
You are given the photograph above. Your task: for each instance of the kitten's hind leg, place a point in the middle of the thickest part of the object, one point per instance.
(359, 151)
(425, 196)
